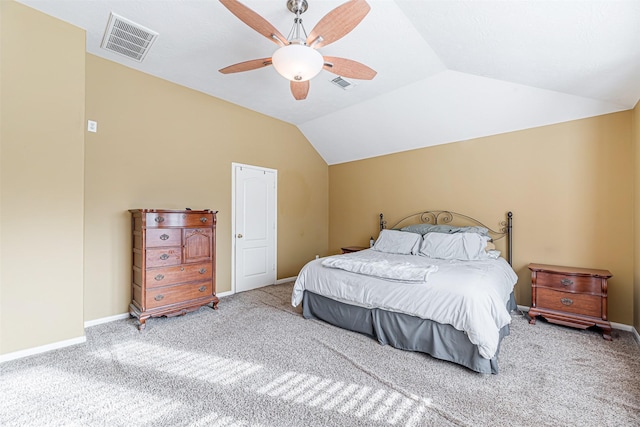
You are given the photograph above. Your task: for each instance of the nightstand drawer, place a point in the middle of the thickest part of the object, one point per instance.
(587, 305)
(566, 283)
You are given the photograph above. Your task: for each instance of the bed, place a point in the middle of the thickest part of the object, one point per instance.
(436, 282)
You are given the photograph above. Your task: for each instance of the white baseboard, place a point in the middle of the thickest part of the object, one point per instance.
(224, 294)
(42, 349)
(614, 325)
(278, 282)
(90, 323)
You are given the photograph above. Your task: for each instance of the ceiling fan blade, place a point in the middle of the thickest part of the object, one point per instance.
(300, 89)
(246, 66)
(338, 23)
(255, 21)
(348, 68)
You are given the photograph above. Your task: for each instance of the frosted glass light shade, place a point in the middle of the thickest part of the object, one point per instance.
(296, 62)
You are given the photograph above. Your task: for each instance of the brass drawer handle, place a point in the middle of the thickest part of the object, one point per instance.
(203, 219)
(566, 301)
(159, 297)
(566, 282)
(159, 277)
(202, 270)
(159, 219)
(164, 256)
(164, 237)
(202, 288)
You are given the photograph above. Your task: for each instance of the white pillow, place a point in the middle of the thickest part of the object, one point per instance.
(461, 246)
(492, 254)
(398, 242)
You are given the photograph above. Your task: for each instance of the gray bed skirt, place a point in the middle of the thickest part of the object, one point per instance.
(404, 331)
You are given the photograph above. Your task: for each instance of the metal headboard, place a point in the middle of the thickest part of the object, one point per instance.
(446, 217)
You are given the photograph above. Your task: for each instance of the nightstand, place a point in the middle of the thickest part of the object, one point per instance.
(349, 249)
(570, 296)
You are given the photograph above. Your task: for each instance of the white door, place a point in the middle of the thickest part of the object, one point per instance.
(254, 227)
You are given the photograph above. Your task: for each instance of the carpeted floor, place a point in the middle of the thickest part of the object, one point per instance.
(257, 362)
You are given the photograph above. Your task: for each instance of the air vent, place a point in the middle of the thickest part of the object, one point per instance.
(127, 38)
(344, 84)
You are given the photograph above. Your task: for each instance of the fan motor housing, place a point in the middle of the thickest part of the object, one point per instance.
(297, 6)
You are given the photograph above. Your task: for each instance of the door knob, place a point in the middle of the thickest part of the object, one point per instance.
(239, 236)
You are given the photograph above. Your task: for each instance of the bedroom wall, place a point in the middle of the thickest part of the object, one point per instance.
(569, 185)
(160, 145)
(636, 228)
(41, 179)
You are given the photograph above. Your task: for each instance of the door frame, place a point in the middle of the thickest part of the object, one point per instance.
(234, 166)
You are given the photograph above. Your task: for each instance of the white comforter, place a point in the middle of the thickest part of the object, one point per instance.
(370, 263)
(469, 295)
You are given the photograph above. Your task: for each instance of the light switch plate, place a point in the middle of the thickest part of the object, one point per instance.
(92, 126)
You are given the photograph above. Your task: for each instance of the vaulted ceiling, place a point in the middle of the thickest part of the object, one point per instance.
(448, 70)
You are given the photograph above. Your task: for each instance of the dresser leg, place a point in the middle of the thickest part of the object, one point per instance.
(606, 332)
(142, 324)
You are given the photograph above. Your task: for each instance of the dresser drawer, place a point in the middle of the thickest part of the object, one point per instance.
(158, 297)
(157, 237)
(584, 304)
(162, 257)
(171, 219)
(177, 274)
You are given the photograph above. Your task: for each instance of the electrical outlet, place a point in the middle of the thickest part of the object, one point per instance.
(92, 126)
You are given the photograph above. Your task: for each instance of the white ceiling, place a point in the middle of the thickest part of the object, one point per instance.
(448, 70)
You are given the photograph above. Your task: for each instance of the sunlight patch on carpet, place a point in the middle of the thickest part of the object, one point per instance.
(362, 401)
(58, 393)
(365, 402)
(188, 364)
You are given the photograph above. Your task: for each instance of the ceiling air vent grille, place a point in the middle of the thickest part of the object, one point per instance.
(344, 84)
(127, 38)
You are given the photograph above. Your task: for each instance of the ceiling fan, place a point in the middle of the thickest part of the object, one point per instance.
(297, 58)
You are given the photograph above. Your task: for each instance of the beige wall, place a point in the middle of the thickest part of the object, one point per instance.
(636, 233)
(42, 115)
(160, 145)
(570, 187)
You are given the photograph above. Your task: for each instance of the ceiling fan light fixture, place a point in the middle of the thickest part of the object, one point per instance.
(297, 62)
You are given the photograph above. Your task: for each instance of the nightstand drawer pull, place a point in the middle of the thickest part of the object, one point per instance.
(566, 282)
(164, 256)
(159, 297)
(202, 270)
(164, 237)
(159, 277)
(159, 219)
(566, 301)
(203, 219)
(202, 288)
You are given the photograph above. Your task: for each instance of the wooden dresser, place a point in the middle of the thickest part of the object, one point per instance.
(174, 262)
(570, 296)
